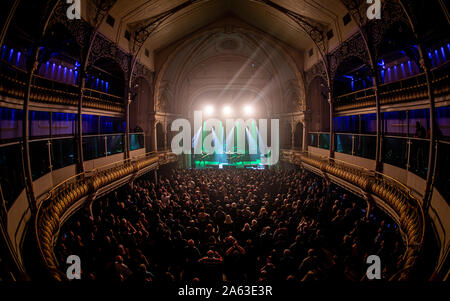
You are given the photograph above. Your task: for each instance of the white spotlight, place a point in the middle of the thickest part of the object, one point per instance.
(248, 110)
(209, 110)
(227, 110)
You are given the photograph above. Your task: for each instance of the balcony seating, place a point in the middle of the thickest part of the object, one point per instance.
(396, 92)
(396, 196)
(16, 89)
(63, 197)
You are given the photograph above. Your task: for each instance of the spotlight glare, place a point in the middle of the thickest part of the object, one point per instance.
(227, 110)
(209, 110)
(248, 110)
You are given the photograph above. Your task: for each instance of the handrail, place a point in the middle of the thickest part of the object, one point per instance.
(406, 138)
(96, 170)
(397, 195)
(17, 69)
(59, 95)
(103, 93)
(50, 192)
(354, 134)
(123, 162)
(103, 135)
(355, 92)
(384, 136)
(441, 66)
(47, 223)
(64, 138)
(406, 188)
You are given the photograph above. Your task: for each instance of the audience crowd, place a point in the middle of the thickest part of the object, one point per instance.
(230, 225)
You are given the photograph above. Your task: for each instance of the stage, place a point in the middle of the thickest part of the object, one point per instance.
(230, 160)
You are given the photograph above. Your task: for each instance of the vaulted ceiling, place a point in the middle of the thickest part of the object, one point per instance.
(217, 67)
(128, 13)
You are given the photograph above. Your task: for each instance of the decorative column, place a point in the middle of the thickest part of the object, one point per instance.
(154, 140)
(425, 65)
(379, 146)
(306, 127)
(166, 132)
(330, 101)
(80, 119)
(127, 121)
(32, 67)
(293, 135)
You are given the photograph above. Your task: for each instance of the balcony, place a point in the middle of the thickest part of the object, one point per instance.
(50, 154)
(406, 153)
(393, 197)
(67, 197)
(407, 90)
(13, 84)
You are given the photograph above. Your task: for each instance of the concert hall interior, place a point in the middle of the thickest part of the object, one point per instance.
(224, 141)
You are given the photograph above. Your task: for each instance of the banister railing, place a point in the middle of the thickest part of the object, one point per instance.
(408, 89)
(409, 153)
(68, 193)
(47, 91)
(396, 195)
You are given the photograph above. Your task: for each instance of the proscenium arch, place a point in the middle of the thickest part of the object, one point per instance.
(208, 32)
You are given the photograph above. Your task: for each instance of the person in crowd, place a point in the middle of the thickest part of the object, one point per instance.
(420, 131)
(230, 225)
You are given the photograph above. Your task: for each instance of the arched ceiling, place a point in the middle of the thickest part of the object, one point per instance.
(236, 67)
(130, 13)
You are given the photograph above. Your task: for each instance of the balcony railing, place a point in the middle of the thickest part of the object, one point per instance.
(409, 153)
(408, 212)
(43, 90)
(410, 89)
(356, 145)
(50, 154)
(70, 195)
(319, 139)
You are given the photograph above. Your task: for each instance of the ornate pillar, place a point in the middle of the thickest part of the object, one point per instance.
(303, 134)
(32, 67)
(127, 121)
(433, 141)
(166, 132)
(330, 101)
(293, 128)
(425, 65)
(153, 132)
(80, 120)
(379, 142)
(306, 128)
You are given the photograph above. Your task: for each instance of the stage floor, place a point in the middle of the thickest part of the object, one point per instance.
(217, 164)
